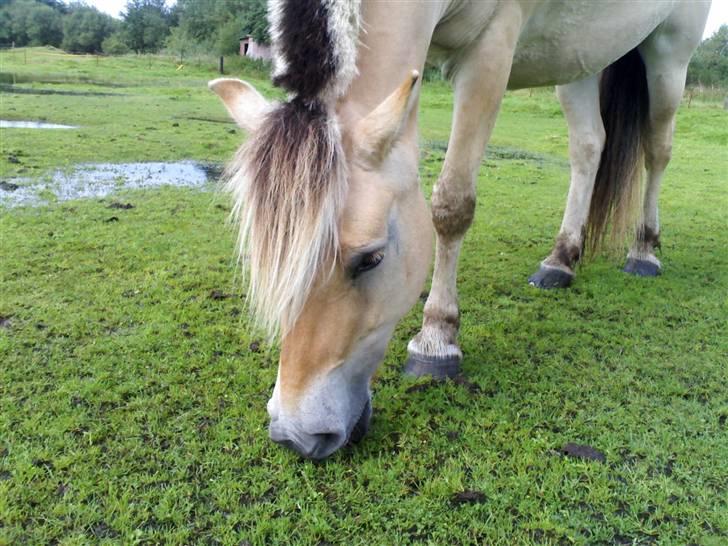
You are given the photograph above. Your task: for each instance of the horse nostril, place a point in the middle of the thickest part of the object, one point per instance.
(311, 446)
(324, 444)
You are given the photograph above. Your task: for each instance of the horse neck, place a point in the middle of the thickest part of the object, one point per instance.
(393, 42)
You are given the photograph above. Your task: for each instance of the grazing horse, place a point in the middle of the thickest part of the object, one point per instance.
(333, 225)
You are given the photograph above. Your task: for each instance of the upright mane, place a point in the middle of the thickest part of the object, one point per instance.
(288, 181)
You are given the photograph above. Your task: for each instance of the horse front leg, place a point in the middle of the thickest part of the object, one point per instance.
(580, 103)
(479, 84)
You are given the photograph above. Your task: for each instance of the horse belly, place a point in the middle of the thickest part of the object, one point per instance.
(567, 40)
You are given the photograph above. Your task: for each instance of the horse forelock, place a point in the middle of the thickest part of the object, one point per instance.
(288, 180)
(288, 183)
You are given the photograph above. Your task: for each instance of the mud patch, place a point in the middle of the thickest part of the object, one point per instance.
(502, 153)
(219, 295)
(97, 180)
(578, 451)
(8, 124)
(468, 497)
(210, 120)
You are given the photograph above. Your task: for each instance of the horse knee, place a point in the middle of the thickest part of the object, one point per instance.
(587, 151)
(592, 146)
(658, 155)
(452, 210)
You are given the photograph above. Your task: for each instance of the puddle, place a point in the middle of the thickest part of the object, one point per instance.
(96, 180)
(5, 124)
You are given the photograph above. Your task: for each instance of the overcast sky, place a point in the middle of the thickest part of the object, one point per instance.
(718, 12)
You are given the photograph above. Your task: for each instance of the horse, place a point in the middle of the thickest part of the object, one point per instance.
(334, 230)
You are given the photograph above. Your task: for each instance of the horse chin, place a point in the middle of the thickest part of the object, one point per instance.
(361, 427)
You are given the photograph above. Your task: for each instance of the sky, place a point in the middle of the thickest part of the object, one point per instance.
(718, 12)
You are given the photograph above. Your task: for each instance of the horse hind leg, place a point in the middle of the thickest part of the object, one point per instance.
(666, 54)
(580, 103)
(665, 94)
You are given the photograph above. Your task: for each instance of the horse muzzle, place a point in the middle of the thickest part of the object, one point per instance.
(320, 444)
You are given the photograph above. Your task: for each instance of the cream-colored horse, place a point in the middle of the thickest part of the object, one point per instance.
(334, 227)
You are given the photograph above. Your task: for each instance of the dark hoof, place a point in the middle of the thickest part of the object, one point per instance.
(641, 268)
(438, 368)
(550, 277)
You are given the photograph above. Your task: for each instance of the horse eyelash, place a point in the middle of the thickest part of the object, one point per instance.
(367, 262)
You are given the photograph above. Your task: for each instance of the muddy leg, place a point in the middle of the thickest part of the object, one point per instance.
(580, 103)
(479, 84)
(665, 72)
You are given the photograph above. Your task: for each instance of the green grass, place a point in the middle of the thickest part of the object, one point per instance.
(132, 396)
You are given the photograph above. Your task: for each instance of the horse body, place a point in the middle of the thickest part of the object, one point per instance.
(550, 48)
(331, 210)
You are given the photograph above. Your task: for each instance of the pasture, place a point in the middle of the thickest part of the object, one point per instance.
(133, 389)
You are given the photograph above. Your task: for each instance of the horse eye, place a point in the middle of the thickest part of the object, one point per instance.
(367, 261)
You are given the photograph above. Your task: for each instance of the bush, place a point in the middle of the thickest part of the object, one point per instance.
(85, 29)
(115, 44)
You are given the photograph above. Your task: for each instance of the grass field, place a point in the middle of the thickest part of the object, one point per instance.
(133, 390)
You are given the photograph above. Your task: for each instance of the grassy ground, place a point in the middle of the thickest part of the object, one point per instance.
(132, 391)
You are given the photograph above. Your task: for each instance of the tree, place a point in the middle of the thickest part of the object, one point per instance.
(146, 24)
(709, 65)
(44, 26)
(28, 22)
(85, 28)
(219, 25)
(254, 19)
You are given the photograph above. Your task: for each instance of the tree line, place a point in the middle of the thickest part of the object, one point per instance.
(146, 26)
(206, 26)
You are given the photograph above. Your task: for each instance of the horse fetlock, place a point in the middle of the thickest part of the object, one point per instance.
(452, 211)
(430, 353)
(647, 239)
(436, 340)
(566, 253)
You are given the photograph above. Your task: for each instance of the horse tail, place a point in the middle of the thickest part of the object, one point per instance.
(624, 104)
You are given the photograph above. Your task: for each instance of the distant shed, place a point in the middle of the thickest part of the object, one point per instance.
(252, 49)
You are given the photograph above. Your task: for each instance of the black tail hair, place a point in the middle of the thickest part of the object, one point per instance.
(624, 104)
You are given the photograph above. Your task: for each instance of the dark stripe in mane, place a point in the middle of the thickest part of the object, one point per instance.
(292, 147)
(306, 46)
(289, 179)
(288, 184)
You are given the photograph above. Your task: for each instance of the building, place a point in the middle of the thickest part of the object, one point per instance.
(252, 49)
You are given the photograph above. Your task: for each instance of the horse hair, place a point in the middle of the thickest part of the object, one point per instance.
(288, 184)
(288, 181)
(624, 104)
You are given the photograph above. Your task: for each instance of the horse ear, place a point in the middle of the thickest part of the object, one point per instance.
(376, 133)
(245, 105)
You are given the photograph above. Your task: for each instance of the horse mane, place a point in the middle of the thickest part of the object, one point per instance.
(288, 180)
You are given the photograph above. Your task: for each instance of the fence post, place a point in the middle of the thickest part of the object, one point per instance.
(222, 71)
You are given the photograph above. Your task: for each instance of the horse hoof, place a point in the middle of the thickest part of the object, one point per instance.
(437, 367)
(550, 277)
(641, 268)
